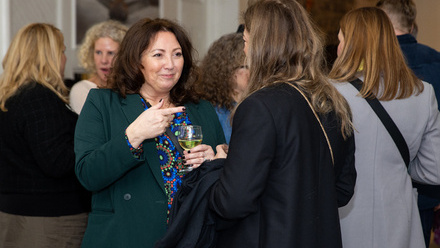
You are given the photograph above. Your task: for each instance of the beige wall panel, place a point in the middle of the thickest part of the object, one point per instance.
(428, 20)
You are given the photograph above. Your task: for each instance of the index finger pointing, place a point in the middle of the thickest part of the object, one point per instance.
(173, 110)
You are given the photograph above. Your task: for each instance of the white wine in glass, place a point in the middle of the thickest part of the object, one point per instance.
(188, 144)
(189, 136)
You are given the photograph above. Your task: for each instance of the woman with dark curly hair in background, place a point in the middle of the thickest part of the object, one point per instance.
(225, 77)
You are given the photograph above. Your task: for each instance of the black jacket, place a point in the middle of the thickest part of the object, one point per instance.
(37, 160)
(191, 222)
(423, 60)
(278, 187)
(278, 181)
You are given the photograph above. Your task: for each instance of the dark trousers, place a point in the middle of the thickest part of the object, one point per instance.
(426, 209)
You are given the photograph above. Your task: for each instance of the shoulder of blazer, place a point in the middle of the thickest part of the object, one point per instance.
(274, 93)
(104, 97)
(102, 93)
(34, 92)
(203, 107)
(203, 113)
(200, 105)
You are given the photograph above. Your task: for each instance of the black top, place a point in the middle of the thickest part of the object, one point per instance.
(36, 156)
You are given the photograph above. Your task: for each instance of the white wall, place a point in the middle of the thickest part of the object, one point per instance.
(205, 20)
(4, 29)
(17, 13)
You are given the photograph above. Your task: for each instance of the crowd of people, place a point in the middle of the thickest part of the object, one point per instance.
(292, 155)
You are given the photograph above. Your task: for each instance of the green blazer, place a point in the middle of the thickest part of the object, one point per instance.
(129, 203)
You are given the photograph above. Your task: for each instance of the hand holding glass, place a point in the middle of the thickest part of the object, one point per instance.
(189, 137)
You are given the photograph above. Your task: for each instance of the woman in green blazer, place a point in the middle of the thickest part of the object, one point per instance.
(122, 153)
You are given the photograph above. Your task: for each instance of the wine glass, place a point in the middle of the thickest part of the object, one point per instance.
(189, 136)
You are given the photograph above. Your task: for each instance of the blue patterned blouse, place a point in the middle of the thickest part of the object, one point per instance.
(170, 159)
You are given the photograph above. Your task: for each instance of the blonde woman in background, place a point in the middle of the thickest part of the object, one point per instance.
(96, 53)
(42, 203)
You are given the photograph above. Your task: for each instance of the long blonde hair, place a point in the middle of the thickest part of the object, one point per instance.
(33, 56)
(371, 44)
(285, 45)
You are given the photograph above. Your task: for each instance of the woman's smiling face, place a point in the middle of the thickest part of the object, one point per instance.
(162, 63)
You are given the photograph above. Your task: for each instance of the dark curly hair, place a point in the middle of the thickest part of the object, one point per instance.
(126, 76)
(223, 58)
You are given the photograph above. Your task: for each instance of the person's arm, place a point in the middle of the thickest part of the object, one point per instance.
(247, 166)
(102, 155)
(425, 167)
(346, 174)
(102, 152)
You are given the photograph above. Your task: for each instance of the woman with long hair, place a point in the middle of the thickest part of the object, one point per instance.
(42, 203)
(383, 211)
(290, 162)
